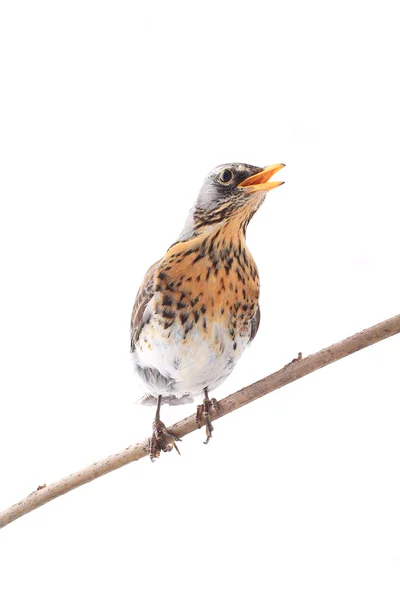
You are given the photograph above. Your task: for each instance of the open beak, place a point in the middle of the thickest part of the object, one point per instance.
(261, 181)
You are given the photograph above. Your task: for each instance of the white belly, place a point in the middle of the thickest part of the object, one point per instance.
(187, 365)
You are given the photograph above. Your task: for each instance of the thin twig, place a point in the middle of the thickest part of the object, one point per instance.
(298, 368)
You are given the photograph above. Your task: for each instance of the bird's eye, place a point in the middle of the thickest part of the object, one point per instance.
(225, 176)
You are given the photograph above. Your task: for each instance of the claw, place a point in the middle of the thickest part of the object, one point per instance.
(162, 439)
(203, 413)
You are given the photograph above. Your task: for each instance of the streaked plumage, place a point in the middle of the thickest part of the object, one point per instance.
(197, 308)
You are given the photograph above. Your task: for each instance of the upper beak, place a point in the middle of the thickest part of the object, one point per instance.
(261, 181)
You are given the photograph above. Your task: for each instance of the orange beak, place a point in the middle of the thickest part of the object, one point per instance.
(261, 181)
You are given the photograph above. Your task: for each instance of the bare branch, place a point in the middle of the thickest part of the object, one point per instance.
(298, 368)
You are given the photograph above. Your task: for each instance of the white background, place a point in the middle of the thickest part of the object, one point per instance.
(112, 113)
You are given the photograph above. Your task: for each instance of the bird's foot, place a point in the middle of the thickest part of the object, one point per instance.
(162, 439)
(203, 413)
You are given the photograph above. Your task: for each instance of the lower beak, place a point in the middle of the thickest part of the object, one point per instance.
(261, 181)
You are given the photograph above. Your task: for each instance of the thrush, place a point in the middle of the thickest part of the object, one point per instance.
(198, 307)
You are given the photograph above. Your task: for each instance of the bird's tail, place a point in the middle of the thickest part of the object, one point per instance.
(148, 400)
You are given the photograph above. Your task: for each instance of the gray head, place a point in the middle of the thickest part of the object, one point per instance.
(230, 191)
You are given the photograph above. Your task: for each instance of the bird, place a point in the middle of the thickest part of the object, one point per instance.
(198, 309)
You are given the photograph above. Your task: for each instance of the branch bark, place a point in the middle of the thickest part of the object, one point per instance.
(295, 370)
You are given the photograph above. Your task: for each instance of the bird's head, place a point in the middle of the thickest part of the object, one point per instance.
(233, 191)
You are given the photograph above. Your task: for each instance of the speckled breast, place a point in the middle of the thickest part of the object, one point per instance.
(206, 294)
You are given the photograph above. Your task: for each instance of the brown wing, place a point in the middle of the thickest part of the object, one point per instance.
(144, 295)
(255, 324)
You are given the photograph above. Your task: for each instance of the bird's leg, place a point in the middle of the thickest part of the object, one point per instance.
(203, 412)
(162, 438)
